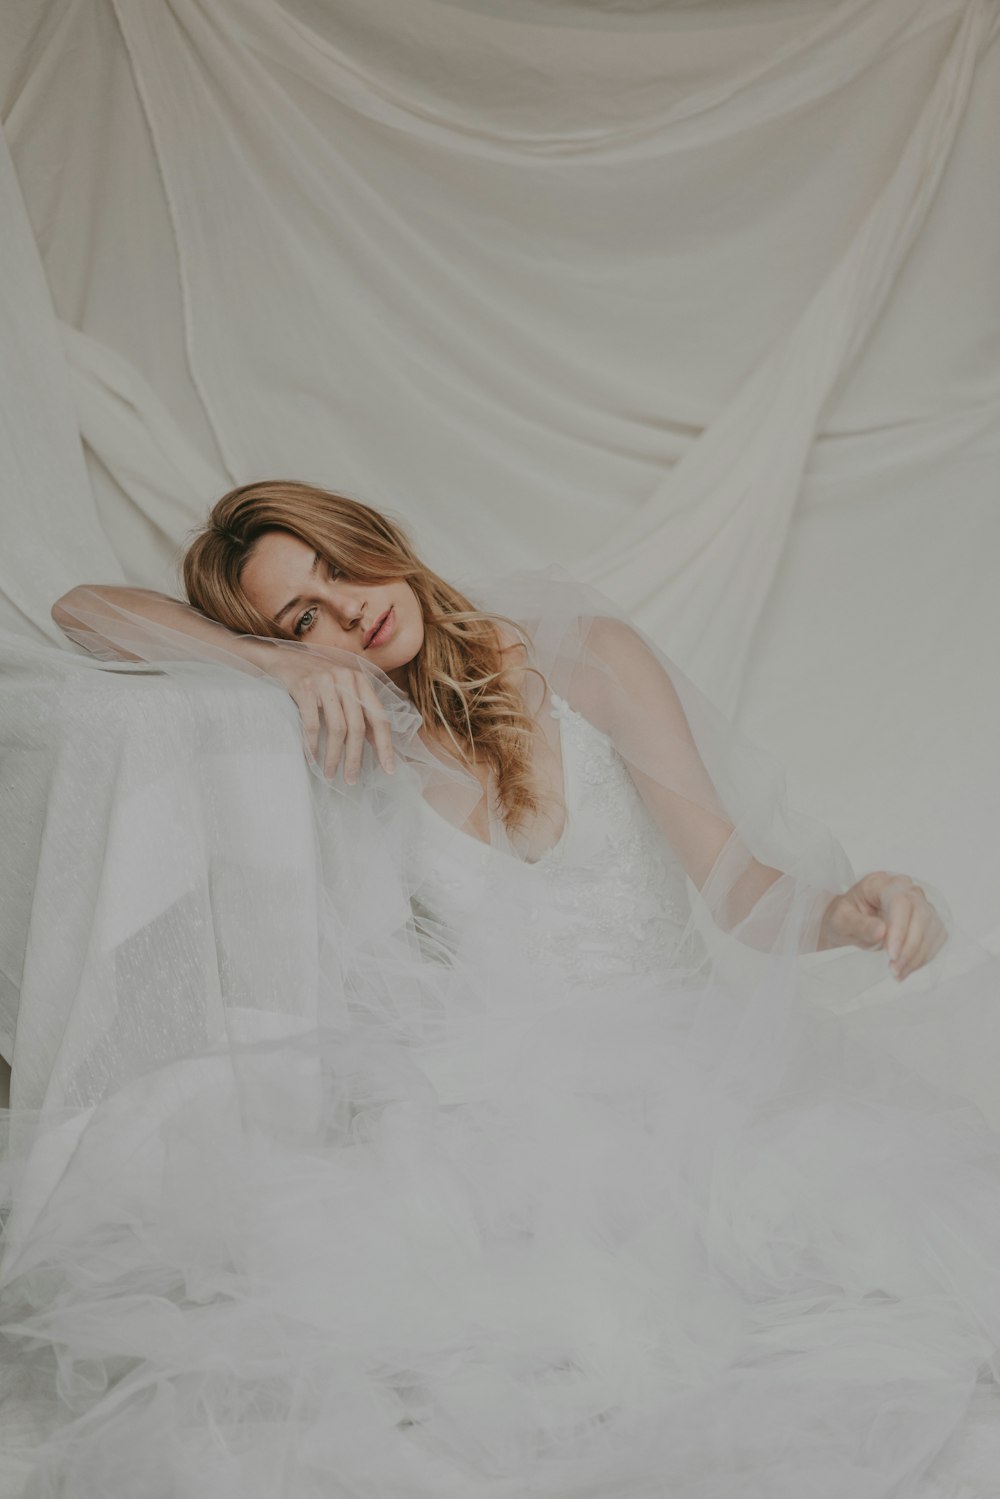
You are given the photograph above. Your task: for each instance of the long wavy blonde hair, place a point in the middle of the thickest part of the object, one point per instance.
(459, 679)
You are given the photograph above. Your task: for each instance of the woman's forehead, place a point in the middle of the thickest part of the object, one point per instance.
(277, 561)
(276, 548)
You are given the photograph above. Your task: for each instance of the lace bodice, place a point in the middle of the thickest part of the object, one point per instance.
(608, 899)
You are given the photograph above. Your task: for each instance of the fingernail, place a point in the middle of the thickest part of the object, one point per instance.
(350, 777)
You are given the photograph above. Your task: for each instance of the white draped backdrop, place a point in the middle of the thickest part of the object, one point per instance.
(699, 299)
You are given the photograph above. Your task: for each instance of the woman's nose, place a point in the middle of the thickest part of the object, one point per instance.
(349, 605)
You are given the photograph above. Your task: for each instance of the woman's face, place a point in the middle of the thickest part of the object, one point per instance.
(310, 600)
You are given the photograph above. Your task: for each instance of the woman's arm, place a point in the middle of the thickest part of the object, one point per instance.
(881, 910)
(88, 614)
(337, 693)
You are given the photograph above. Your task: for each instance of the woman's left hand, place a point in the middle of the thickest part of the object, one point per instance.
(886, 910)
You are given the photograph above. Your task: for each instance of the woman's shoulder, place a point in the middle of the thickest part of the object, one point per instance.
(611, 636)
(622, 650)
(618, 672)
(606, 634)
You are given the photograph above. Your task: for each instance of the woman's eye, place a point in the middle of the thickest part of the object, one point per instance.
(305, 622)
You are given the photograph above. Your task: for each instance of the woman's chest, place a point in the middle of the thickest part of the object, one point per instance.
(607, 895)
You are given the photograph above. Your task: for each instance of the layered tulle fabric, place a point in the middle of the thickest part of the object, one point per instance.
(375, 1159)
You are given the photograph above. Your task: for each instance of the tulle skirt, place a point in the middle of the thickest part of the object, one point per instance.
(642, 1238)
(309, 1210)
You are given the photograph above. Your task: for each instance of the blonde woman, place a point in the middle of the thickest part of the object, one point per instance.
(298, 563)
(574, 1190)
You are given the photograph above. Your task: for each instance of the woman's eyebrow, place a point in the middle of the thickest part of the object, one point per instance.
(298, 600)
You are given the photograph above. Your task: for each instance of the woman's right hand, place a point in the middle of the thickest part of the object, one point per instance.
(349, 705)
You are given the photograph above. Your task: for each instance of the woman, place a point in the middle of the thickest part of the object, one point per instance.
(299, 563)
(570, 1188)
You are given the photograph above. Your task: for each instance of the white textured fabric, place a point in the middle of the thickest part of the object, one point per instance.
(600, 902)
(146, 812)
(699, 300)
(375, 1160)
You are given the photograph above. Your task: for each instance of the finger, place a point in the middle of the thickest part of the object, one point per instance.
(305, 700)
(898, 933)
(900, 911)
(378, 719)
(915, 934)
(336, 730)
(909, 958)
(916, 960)
(354, 743)
(934, 938)
(898, 927)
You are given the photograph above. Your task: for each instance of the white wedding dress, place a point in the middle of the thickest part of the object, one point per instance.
(601, 902)
(530, 1206)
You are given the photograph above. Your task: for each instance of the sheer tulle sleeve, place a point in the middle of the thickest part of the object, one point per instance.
(631, 694)
(761, 872)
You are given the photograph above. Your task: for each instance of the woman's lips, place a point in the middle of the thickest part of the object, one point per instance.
(383, 630)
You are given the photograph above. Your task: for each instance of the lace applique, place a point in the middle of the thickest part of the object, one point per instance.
(614, 901)
(607, 899)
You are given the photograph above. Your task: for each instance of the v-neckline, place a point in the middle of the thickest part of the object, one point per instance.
(556, 847)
